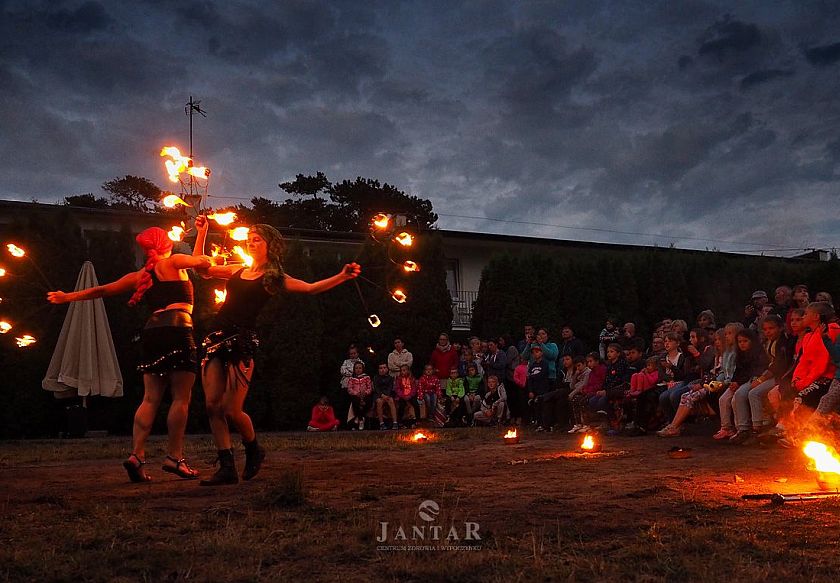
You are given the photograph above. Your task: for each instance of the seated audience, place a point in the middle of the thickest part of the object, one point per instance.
(323, 417)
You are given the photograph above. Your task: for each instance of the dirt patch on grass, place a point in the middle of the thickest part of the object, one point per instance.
(316, 510)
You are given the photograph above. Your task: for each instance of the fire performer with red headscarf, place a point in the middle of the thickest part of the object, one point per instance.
(228, 364)
(169, 351)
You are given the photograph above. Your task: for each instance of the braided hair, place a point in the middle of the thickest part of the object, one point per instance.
(273, 271)
(155, 242)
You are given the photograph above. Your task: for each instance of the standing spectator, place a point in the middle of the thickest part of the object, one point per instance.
(360, 388)
(399, 357)
(443, 357)
(751, 311)
(429, 390)
(783, 296)
(608, 335)
(549, 352)
(523, 345)
(495, 361)
(570, 345)
(538, 383)
(347, 366)
(383, 396)
(323, 417)
(578, 398)
(706, 320)
(405, 389)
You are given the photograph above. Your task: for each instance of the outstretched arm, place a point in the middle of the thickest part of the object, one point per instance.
(209, 271)
(350, 271)
(125, 284)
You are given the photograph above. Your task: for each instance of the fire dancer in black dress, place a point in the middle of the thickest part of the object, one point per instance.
(228, 363)
(169, 352)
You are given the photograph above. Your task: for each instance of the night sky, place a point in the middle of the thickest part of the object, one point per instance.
(693, 120)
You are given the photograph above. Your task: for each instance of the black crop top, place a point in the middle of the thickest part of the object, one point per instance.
(245, 298)
(163, 293)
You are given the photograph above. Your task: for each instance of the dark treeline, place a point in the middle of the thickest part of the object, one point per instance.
(304, 338)
(641, 286)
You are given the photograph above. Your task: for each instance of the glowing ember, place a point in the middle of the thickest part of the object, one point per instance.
(170, 201)
(404, 239)
(381, 221)
(2, 272)
(374, 321)
(223, 219)
(15, 250)
(246, 259)
(588, 443)
(4, 326)
(221, 295)
(25, 341)
(399, 296)
(824, 457)
(238, 234)
(419, 437)
(410, 266)
(176, 233)
(511, 434)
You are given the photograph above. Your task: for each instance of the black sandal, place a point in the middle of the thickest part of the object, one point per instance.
(180, 469)
(135, 471)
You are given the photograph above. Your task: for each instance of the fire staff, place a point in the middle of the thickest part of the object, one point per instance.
(228, 363)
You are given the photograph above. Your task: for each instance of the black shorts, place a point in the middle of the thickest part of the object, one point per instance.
(231, 346)
(168, 344)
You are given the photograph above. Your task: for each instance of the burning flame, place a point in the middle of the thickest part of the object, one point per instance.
(15, 250)
(511, 434)
(381, 221)
(404, 239)
(238, 234)
(399, 296)
(25, 341)
(176, 233)
(2, 272)
(824, 457)
(419, 436)
(410, 266)
(223, 219)
(4, 326)
(170, 201)
(374, 321)
(180, 164)
(221, 295)
(588, 443)
(246, 259)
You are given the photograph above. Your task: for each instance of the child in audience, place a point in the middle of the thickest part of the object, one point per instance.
(474, 387)
(518, 401)
(405, 389)
(608, 335)
(360, 388)
(645, 379)
(641, 400)
(428, 390)
(616, 384)
(537, 384)
(594, 387)
(454, 390)
(750, 361)
(323, 417)
(493, 405)
(578, 397)
(383, 396)
(672, 372)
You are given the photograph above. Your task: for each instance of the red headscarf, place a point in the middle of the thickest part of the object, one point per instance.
(155, 242)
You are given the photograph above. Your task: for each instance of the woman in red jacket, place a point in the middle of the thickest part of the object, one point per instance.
(444, 357)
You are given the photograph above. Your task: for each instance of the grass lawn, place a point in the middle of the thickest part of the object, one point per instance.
(542, 512)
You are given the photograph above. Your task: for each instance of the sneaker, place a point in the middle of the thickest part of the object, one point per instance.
(724, 433)
(600, 412)
(539, 428)
(383, 426)
(362, 424)
(574, 429)
(740, 437)
(630, 427)
(310, 428)
(395, 425)
(669, 431)
(788, 441)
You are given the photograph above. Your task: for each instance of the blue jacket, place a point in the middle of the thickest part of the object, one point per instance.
(550, 352)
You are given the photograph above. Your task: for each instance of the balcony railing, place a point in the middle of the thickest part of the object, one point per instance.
(462, 309)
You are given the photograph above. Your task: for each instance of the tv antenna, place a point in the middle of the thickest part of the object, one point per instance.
(192, 108)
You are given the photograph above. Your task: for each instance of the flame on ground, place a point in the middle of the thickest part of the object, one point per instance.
(221, 295)
(419, 436)
(238, 234)
(15, 250)
(511, 434)
(588, 443)
(824, 457)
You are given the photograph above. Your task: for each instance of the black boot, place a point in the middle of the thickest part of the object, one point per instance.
(254, 456)
(226, 474)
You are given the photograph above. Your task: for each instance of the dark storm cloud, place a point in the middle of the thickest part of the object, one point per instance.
(824, 55)
(760, 77)
(685, 118)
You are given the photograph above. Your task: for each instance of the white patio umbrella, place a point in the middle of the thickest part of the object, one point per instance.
(84, 362)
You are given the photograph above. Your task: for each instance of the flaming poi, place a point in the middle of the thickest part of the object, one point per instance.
(374, 321)
(15, 250)
(25, 340)
(399, 296)
(2, 272)
(221, 295)
(170, 201)
(404, 239)
(410, 266)
(381, 221)
(238, 234)
(179, 164)
(246, 259)
(223, 219)
(176, 233)
(4, 326)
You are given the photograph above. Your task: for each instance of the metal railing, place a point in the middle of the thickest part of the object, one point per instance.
(462, 309)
